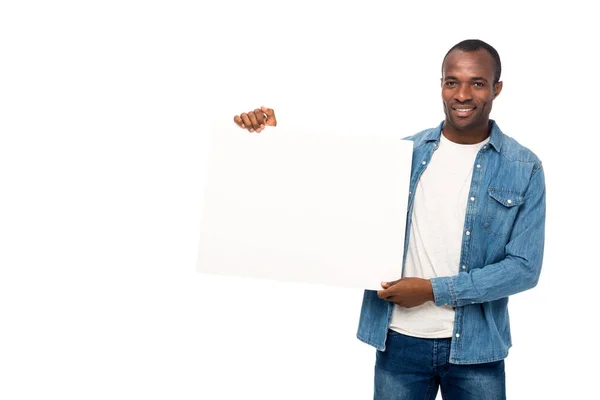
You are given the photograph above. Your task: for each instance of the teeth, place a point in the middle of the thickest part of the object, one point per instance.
(463, 109)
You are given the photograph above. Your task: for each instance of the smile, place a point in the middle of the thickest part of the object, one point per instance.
(463, 112)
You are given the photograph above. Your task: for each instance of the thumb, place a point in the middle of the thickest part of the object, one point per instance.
(271, 120)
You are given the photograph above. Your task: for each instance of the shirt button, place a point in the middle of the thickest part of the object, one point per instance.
(468, 233)
(409, 193)
(478, 165)
(485, 147)
(509, 201)
(435, 145)
(472, 198)
(464, 267)
(458, 335)
(424, 162)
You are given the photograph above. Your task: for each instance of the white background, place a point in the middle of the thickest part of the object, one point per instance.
(105, 111)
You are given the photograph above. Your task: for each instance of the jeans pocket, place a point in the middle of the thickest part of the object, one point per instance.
(501, 210)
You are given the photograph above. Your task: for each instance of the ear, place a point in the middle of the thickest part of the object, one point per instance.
(442, 82)
(497, 89)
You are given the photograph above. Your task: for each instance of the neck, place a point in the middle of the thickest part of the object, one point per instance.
(469, 136)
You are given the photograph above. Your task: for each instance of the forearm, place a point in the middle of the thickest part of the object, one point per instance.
(494, 281)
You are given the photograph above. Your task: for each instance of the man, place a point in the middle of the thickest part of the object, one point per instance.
(474, 236)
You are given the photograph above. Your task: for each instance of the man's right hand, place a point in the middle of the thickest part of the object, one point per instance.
(256, 120)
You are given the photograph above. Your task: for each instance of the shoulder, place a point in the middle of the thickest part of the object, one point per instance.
(514, 151)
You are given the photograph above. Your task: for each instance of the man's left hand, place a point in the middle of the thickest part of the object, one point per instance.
(407, 292)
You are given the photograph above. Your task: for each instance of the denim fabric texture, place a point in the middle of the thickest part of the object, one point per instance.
(501, 254)
(415, 368)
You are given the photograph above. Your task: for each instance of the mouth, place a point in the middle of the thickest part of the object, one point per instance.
(463, 111)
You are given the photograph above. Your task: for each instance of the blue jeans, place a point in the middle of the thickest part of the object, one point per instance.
(414, 368)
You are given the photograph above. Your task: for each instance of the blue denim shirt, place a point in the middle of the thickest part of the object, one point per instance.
(501, 253)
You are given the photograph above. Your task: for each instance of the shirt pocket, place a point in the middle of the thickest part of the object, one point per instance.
(501, 210)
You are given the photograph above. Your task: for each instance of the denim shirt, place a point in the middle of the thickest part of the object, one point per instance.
(501, 251)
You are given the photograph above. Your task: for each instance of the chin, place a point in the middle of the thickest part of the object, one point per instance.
(460, 125)
(466, 124)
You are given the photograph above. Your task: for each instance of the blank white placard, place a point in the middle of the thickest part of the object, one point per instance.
(287, 205)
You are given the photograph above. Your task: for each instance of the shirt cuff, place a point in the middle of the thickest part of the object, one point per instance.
(443, 291)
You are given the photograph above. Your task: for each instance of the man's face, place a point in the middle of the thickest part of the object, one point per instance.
(468, 88)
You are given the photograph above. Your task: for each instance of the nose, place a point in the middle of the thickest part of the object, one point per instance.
(463, 93)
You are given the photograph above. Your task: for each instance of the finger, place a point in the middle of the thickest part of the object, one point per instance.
(238, 121)
(386, 285)
(398, 300)
(253, 120)
(260, 116)
(246, 121)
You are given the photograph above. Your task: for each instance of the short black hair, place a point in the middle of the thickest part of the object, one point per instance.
(476, 44)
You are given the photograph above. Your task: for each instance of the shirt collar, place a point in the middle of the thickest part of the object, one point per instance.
(495, 135)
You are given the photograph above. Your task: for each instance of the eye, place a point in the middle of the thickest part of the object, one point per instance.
(450, 83)
(478, 84)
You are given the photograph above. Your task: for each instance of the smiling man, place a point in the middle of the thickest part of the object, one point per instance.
(474, 236)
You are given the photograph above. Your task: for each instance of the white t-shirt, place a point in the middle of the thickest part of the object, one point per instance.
(438, 218)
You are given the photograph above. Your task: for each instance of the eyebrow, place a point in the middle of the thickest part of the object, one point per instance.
(475, 78)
